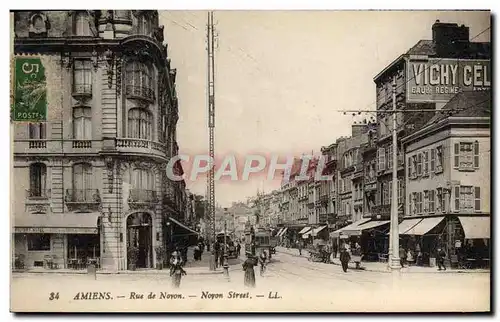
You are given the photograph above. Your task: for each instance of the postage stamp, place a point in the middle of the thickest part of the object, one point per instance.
(29, 90)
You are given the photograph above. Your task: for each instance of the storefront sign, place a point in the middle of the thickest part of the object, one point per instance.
(51, 230)
(438, 80)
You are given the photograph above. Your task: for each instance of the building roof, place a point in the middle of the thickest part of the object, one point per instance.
(466, 104)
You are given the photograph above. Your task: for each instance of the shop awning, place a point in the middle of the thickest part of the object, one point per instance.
(408, 224)
(476, 227)
(279, 232)
(424, 226)
(282, 232)
(67, 223)
(306, 235)
(184, 226)
(304, 230)
(372, 224)
(315, 231)
(350, 230)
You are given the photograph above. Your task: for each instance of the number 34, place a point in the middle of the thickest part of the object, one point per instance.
(53, 296)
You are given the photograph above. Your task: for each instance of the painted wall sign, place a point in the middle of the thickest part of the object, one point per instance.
(51, 230)
(438, 80)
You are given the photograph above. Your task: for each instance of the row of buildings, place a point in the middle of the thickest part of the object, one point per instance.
(443, 167)
(90, 181)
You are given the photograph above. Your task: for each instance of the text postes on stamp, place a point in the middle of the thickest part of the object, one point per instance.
(30, 90)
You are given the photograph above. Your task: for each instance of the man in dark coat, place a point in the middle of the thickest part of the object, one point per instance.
(402, 256)
(345, 257)
(441, 255)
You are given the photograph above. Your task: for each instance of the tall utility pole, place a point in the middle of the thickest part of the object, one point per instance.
(211, 128)
(394, 261)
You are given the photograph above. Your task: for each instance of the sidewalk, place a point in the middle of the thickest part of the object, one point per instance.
(382, 267)
(192, 268)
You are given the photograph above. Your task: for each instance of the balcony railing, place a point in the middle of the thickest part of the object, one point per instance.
(82, 89)
(83, 196)
(140, 92)
(139, 143)
(37, 194)
(142, 196)
(37, 144)
(82, 144)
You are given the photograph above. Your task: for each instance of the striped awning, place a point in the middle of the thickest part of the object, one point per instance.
(304, 230)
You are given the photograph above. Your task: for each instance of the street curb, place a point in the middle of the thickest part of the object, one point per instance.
(364, 268)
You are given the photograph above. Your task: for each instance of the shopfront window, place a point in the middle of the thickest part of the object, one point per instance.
(38, 242)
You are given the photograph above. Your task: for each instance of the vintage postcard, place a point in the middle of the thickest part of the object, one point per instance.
(250, 161)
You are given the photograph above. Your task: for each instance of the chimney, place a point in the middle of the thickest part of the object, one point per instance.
(359, 129)
(450, 39)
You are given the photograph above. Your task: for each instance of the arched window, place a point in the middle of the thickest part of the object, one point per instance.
(82, 183)
(38, 22)
(38, 180)
(82, 123)
(82, 24)
(139, 124)
(138, 74)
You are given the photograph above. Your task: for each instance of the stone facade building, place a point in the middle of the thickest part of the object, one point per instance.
(91, 183)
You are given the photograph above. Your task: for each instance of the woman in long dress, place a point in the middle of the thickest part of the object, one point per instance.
(248, 266)
(176, 270)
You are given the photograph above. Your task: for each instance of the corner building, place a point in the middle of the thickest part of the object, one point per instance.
(91, 181)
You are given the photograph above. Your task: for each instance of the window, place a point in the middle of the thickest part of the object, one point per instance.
(142, 179)
(439, 159)
(431, 201)
(477, 199)
(139, 124)
(37, 131)
(390, 192)
(38, 180)
(143, 25)
(464, 198)
(82, 76)
(426, 201)
(466, 155)
(381, 159)
(138, 75)
(419, 164)
(410, 167)
(82, 183)
(419, 202)
(82, 24)
(38, 242)
(38, 22)
(385, 194)
(82, 123)
(433, 160)
(426, 163)
(414, 203)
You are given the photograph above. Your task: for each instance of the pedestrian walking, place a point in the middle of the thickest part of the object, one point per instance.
(402, 256)
(441, 255)
(262, 261)
(299, 245)
(335, 249)
(345, 257)
(248, 265)
(176, 270)
(238, 249)
(221, 258)
(196, 253)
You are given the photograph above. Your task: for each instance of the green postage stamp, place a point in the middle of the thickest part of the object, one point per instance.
(29, 90)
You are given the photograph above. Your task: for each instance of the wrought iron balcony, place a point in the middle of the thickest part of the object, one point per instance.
(133, 143)
(89, 196)
(82, 89)
(142, 196)
(140, 92)
(38, 194)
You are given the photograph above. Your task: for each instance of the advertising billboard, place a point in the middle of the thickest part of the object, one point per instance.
(436, 80)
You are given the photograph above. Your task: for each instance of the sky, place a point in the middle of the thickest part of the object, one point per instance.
(283, 76)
